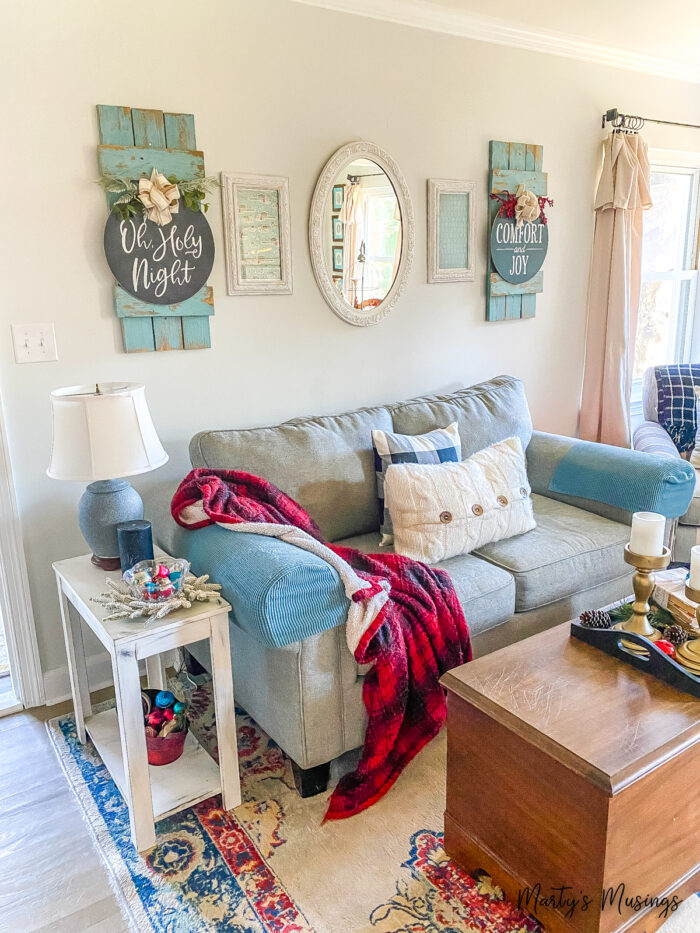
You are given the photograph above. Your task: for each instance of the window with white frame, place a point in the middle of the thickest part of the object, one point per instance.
(668, 329)
(381, 239)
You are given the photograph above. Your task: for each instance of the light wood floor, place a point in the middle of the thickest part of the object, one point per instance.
(51, 876)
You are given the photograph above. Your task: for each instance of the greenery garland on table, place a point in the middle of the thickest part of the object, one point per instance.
(130, 200)
(659, 618)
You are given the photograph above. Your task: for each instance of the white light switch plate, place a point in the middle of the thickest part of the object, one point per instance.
(34, 343)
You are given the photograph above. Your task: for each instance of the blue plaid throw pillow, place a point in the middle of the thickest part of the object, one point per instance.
(676, 384)
(439, 446)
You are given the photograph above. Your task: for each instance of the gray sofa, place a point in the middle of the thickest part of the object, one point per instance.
(293, 672)
(651, 437)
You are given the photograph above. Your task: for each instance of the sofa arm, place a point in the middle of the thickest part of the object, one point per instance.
(651, 438)
(609, 480)
(280, 594)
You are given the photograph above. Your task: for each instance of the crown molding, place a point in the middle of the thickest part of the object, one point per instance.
(424, 15)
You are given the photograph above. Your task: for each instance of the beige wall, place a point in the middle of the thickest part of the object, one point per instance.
(273, 89)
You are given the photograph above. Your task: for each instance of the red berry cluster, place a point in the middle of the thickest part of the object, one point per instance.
(509, 201)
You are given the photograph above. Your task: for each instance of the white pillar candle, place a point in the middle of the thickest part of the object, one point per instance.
(695, 567)
(647, 536)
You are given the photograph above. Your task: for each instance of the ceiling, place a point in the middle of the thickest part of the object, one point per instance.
(661, 38)
(664, 30)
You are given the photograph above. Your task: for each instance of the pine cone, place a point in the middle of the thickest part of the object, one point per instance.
(675, 634)
(595, 618)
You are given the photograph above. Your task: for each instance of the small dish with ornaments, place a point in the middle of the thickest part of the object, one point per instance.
(157, 580)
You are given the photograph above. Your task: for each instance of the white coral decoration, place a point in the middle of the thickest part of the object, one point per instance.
(527, 207)
(122, 605)
(160, 197)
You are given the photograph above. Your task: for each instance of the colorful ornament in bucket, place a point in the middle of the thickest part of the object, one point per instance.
(165, 717)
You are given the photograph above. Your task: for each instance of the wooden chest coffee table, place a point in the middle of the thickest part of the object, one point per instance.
(575, 776)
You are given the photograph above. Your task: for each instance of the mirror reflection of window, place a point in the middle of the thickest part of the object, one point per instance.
(371, 234)
(383, 223)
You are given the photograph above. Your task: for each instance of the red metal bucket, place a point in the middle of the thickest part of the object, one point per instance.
(165, 751)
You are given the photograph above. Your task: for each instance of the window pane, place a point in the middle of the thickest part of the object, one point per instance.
(383, 225)
(665, 307)
(666, 223)
(655, 327)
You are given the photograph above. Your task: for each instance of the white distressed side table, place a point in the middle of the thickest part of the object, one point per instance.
(151, 792)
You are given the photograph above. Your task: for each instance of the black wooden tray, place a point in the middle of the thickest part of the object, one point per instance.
(658, 664)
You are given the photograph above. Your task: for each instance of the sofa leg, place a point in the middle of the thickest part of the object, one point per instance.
(311, 781)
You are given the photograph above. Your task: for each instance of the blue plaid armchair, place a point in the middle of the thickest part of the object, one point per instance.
(669, 429)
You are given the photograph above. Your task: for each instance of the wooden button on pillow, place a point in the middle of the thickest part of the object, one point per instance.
(445, 509)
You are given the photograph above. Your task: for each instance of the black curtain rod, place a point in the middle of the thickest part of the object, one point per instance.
(624, 121)
(366, 175)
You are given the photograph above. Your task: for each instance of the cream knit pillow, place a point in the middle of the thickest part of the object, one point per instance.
(442, 510)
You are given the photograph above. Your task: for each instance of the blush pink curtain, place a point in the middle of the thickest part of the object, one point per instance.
(613, 290)
(352, 215)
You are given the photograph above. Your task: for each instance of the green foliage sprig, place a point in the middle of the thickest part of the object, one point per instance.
(194, 192)
(658, 617)
(128, 205)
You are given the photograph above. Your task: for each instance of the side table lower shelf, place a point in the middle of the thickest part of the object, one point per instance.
(193, 777)
(151, 792)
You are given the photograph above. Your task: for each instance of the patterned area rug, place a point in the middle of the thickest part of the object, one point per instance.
(686, 919)
(272, 865)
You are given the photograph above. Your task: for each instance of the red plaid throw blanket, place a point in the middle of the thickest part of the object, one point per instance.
(413, 632)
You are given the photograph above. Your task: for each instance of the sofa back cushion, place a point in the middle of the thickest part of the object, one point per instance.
(325, 463)
(485, 414)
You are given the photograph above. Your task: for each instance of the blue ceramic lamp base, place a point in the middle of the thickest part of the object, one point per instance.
(102, 507)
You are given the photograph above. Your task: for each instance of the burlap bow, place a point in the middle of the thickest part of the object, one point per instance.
(527, 207)
(160, 197)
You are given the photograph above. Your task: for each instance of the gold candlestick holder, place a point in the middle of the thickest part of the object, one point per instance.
(694, 597)
(643, 585)
(688, 653)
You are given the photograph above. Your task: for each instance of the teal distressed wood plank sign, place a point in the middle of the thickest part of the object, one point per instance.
(518, 231)
(158, 243)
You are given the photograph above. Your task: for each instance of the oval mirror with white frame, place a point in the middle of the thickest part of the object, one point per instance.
(361, 233)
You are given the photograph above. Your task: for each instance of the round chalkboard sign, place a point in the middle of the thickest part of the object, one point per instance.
(160, 265)
(518, 252)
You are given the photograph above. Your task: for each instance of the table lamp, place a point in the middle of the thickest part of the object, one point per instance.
(101, 434)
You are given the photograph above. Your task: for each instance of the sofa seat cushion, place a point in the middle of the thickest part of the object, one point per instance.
(568, 551)
(485, 592)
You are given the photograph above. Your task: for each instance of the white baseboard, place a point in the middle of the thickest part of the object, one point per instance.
(99, 667)
(57, 681)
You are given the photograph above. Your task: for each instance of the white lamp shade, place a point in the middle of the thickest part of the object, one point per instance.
(103, 432)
